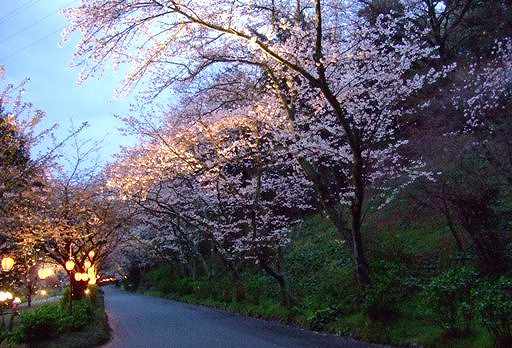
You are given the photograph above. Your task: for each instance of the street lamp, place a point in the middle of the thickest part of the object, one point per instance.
(7, 264)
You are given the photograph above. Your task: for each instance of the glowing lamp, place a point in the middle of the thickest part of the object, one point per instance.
(91, 272)
(70, 265)
(42, 274)
(84, 277)
(87, 264)
(78, 276)
(92, 281)
(7, 264)
(92, 254)
(87, 292)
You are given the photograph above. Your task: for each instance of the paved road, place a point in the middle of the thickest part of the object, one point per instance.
(150, 322)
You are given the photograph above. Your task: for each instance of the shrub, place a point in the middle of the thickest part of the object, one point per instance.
(319, 320)
(51, 320)
(493, 300)
(184, 286)
(449, 296)
(162, 278)
(389, 286)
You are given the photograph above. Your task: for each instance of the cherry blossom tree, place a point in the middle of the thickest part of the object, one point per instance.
(343, 82)
(224, 181)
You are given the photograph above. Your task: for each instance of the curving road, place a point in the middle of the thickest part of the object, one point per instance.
(139, 321)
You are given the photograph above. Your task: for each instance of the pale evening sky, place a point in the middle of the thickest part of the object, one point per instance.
(29, 47)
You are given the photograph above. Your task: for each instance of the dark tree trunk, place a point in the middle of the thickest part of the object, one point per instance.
(328, 201)
(453, 230)
(287, 299)
(240, 291)
(361, 264)
(77, 288)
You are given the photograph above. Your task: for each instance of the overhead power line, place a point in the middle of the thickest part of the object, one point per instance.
(17, 9)
(33, 43)
(33, 24)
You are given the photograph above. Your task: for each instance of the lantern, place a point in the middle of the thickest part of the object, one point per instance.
(7, 264)
(87, 264)
(70, 264)
(5, 296)
(91, 254)
(92, 281)
(78, 276)
(84, 277)
(91, 272)
(42, 274)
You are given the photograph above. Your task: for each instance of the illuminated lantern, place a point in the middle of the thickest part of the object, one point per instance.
(84, 277)
(7, 264)
(92, 281)
(78, 276)
(42, 273)
(91, 254)
(91, 272)
(87, 264)
(70, 265)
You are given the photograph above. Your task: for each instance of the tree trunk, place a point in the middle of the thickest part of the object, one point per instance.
(328, 202)
(240, 291)
(361, 264)
(287, 299)
(77, 288)
(204, 266)
(453, 230)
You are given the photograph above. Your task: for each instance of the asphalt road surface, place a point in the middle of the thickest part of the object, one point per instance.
(147, 322)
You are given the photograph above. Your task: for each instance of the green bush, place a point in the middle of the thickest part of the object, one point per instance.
(184, 286)
(388, 288)
(51, 320)
(449, 297)
(493, 300)
(162, 278)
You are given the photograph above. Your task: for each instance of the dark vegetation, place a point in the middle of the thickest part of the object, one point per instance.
(424, 291)
(80, 323)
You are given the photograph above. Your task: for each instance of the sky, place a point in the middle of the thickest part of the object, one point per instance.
(30, 48)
